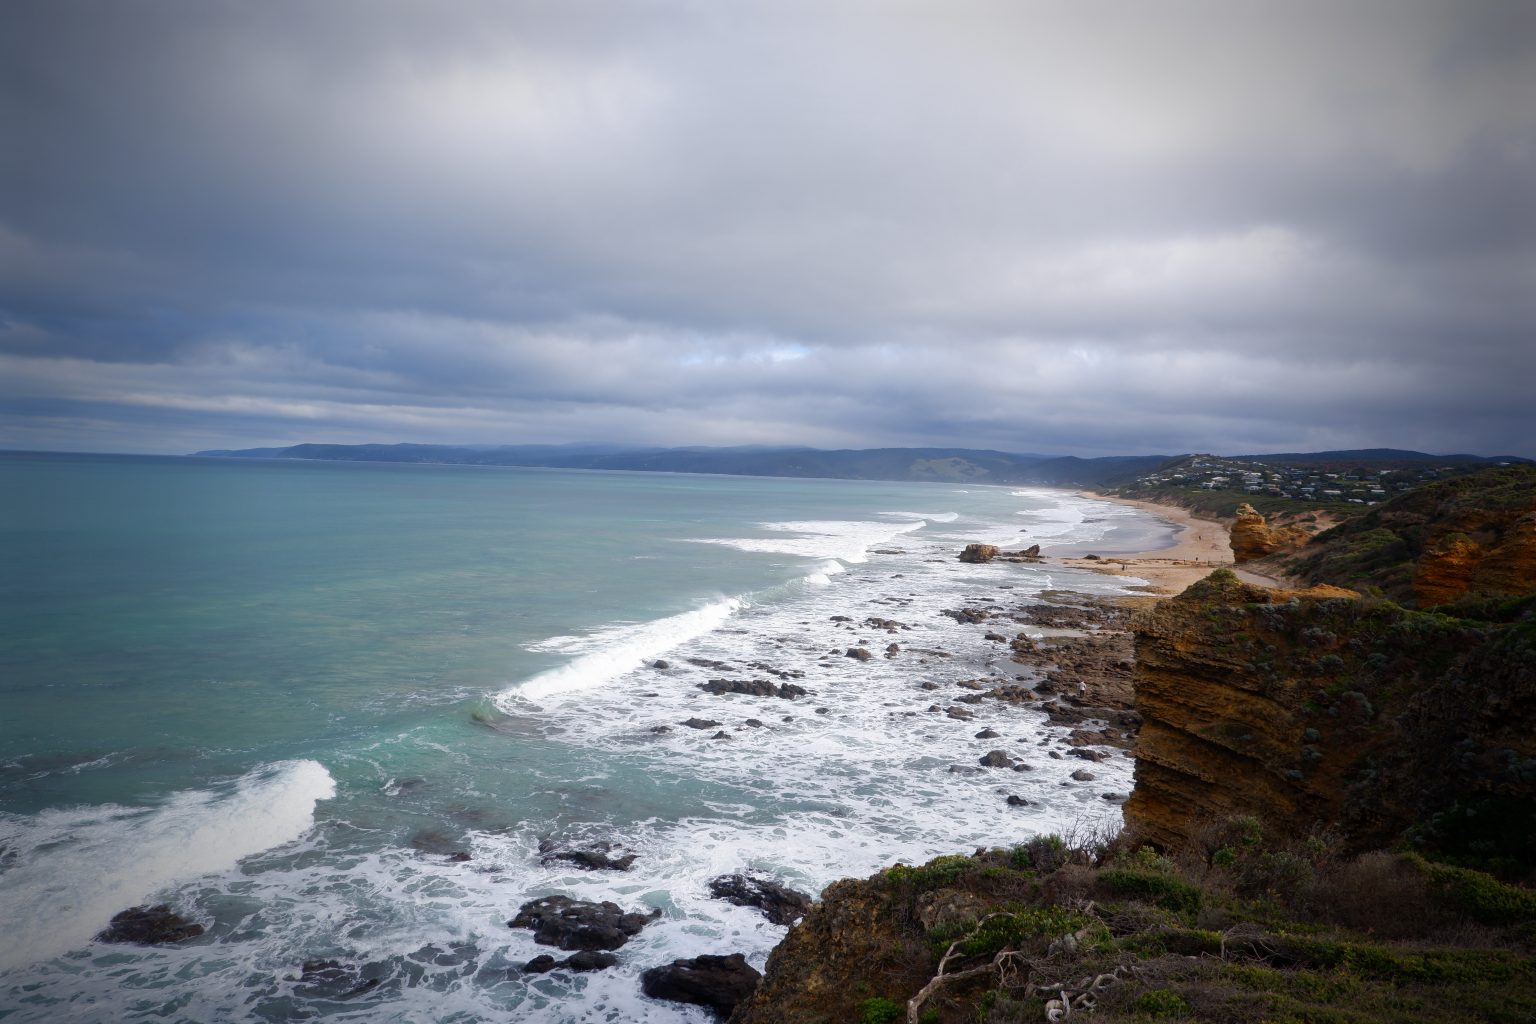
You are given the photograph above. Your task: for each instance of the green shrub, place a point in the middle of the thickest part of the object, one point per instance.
(881, 1011)
(1165, 891)
(1162, 1002)
(1011, 930)
(936, 874)
(1481, 896)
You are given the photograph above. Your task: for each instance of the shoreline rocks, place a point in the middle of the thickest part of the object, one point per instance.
(778, 903)
(149, 926)
(717, 983)
(580, 924)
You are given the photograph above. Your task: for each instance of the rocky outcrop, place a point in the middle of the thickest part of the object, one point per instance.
(1253, 539)
(149, 926)
(592, 857)
(779, 903)
(1317, 707)
(717, 983)
(1470, 538)
(1503, 564)
(579, 924)
(979, 553)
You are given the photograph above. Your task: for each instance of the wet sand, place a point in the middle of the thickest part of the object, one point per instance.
(1200, 546)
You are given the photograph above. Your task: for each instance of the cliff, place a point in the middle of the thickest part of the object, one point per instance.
(1466, 539)
(1253, 538)
(1319, 708)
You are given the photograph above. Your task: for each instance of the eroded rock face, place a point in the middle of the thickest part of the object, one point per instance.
(1252, 538)
(1318, 707)
(1458, 564)
(979, 553)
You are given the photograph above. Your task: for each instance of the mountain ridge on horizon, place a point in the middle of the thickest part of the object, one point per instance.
(937, 464)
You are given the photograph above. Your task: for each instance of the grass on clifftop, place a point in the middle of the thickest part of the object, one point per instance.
(1239, 928)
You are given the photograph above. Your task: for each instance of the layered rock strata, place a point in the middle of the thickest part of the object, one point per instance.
(1315, 707)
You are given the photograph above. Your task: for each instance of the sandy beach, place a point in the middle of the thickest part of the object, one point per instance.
(1200, 545)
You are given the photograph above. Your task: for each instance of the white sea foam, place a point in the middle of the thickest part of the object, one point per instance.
(612, 651)
(76, 867)
(847, 540)
(932, 517)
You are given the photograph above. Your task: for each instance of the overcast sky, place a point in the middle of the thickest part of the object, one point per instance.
(1069, 227)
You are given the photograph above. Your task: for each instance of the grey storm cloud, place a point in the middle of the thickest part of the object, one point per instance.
(1083, 228)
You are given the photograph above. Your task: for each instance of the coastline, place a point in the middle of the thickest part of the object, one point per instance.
(1199, 547)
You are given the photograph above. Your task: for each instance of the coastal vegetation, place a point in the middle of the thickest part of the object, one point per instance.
(1334, 817)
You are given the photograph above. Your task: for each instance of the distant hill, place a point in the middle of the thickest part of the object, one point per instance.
(922, 464)
(958, 465)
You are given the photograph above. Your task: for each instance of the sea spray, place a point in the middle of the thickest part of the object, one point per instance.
(76, 867)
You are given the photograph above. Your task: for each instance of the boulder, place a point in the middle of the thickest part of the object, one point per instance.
(702, 723)
(858, 653)
(579, 924)
(586, 960)
(753, 688)
(717, 983)
(978, 553)
(779, 903)
(594, 857)
(149, 926)
(995, 759)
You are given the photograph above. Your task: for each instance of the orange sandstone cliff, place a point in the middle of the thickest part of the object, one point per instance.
(1322, 709)
(1253, 538)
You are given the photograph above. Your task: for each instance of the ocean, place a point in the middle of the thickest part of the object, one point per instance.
(288, 698)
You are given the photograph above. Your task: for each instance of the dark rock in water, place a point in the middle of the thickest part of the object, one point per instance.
(754, 723)
(586, 960)
(929, 686)
(721, 735)
(753, 688)
(891, 650)
(458, 857)
(978, 553)
(1083, 775)
(707, 663)
(779, 903)
(966, 616)
(964, 769)
(659, 663)
(988, 734)
(842, 618)
(715, 982)
(994, 636)
(1086, 754)
(1055, 755)
(959, 713)
(1033, 551)
(996, 759)
(579, 924)
(702, 723)
(1017, 801)
(660, 729)
(858, 653)
(971, 698)
(594, 857)
(1115, 798)
(1022, 767)
(149, 926)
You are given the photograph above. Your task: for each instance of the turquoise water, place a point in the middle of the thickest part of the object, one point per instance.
(275, 693)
